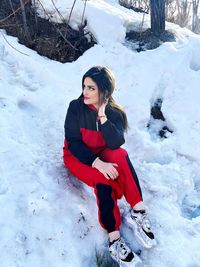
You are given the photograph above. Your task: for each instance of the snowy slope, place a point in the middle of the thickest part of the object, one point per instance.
(50, 219)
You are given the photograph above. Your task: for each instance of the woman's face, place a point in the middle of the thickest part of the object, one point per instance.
(90, 92)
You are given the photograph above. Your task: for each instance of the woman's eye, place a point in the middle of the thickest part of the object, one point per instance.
(88, 88)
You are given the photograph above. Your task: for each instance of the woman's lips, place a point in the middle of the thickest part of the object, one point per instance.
(86, 98)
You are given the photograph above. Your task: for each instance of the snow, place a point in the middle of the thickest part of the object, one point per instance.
(48, 218)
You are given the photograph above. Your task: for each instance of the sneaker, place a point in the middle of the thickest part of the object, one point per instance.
(141, 227)
(123, 255)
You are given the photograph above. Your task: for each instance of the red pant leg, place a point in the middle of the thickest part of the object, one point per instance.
(107, 192)
(127, 179)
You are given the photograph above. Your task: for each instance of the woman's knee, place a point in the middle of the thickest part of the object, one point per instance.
(101, 179)
(115, 155)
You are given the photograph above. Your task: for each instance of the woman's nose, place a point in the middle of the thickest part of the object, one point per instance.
(84, 90)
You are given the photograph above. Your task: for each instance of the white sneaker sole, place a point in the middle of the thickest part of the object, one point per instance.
(131, 264)
(135, 263)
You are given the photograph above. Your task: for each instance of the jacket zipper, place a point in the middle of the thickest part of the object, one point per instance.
(97, 125)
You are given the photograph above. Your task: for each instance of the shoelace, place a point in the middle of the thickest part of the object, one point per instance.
(146, 223)
(122, 248)
(142, 220)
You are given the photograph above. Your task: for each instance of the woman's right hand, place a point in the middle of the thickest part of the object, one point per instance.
(107, 169)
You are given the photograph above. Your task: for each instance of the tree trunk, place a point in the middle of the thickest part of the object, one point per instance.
(157, 17)
(25, 26)
(195, 4)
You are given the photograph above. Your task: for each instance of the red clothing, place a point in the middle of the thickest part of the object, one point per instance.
(85, 136)
(107, 191)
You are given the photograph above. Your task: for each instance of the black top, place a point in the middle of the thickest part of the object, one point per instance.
(86, 137)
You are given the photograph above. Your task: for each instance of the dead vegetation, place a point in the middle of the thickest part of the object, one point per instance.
(57, 41)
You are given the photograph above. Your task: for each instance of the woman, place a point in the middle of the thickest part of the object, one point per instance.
(94, 133)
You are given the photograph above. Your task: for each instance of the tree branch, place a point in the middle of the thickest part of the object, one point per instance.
(12, 45)
(13, 12)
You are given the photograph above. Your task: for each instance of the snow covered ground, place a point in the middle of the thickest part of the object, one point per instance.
(48, 218)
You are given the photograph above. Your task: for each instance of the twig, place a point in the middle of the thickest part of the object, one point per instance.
(11, 25)
(12, 45)
(145, 10)
(11, 5)
(25, 21)
(61, 16)
(71, 12)
(13, 12)
(57, 28)
(35, 14)
(83, 12)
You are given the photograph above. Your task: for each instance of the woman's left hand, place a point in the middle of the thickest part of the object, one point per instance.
(102, 108)
(108, 169)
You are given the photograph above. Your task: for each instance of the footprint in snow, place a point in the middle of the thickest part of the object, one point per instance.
(3, 102)
(30, 86)
(25, 105)
(195, 61)
(20, 76)
(190, 204)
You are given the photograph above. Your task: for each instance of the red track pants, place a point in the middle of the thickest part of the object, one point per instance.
(108, 191)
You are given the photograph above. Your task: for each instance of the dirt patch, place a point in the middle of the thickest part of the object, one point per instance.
(57, 41)
(146, 40)
(158, 123)
(132, 5)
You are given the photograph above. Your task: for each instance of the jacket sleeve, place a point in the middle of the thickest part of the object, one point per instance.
(74, 138)
(113, 132)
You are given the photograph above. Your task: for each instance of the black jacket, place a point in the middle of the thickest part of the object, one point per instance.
(85, 137)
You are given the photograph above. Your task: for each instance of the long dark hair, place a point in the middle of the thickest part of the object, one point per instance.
(105, 80)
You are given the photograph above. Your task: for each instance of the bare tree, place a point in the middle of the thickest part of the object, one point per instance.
(195, 6)
(136, 5)
(35, 12)
(157, 8)
(183, 7)
(25, 26)
(170, 10)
